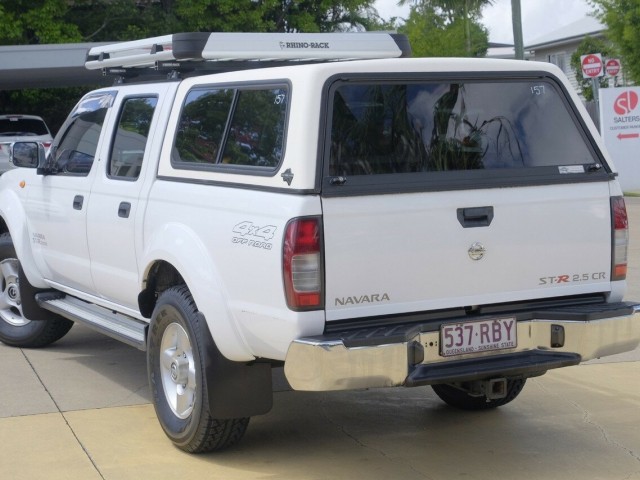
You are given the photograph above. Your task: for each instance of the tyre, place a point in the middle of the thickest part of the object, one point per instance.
(175, 363)
(15, 329)
(461, 399)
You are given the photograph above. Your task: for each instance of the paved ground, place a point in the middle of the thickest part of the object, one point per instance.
(80, 410)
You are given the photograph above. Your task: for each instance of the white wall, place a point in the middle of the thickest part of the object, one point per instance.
(620, 129)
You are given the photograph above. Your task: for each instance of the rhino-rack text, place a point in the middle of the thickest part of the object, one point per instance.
(311, 45)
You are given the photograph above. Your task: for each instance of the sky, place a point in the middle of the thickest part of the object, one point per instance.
(539, 17)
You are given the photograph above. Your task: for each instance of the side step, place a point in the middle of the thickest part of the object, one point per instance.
(116, 325)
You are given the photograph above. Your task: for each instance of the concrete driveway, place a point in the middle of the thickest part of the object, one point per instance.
(80, 409)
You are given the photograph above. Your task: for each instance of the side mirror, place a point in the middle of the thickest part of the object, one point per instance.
(27, 154)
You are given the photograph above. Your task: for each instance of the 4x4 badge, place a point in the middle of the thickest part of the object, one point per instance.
(477, 251)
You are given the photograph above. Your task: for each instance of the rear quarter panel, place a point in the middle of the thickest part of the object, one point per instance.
(227, 245)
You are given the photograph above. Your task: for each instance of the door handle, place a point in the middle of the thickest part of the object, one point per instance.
(124, 209)
(78, 200)
(473, 217)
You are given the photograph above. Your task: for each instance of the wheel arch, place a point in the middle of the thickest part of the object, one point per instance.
(13, 220)
(235, 388)
(175, 254)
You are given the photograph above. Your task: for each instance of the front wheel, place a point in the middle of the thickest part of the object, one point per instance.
(15, 329)
(175, 362)
(458, 397)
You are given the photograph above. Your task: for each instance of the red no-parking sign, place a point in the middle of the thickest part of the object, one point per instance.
(592, 65)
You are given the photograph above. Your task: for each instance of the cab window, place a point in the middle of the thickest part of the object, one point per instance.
(127, 151)
(75, 149)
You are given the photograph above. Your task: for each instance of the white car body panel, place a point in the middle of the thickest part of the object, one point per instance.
(114, 263)
(412, 248)
(384, 254)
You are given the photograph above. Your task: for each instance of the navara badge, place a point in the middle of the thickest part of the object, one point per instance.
(477, 251)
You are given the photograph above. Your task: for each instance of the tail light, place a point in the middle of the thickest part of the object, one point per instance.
(302, 264)
(620, 239)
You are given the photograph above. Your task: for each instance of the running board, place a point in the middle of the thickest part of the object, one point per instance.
(116, 325)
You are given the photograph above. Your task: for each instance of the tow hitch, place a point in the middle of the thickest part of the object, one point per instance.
(493, 389)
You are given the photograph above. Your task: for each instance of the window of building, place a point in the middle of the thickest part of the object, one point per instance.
(559, 60)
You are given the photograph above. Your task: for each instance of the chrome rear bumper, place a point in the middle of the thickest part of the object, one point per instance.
(329, 363)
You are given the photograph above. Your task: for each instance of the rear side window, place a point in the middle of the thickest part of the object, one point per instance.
(454, 126)
(127, 151)
(232, 127)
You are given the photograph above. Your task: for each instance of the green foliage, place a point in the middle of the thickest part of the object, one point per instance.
(435, 32)
(587, 46)
(24, 22)
(275, 15)
(36, 21)
(452, 10)
(59, 21)
(622, 18)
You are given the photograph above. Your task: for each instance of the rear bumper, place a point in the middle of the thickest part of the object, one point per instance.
(411, 357)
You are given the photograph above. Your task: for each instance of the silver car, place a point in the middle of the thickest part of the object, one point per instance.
(16, 128)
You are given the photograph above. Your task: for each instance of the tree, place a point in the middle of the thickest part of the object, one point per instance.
(58, 21)
(622, 18)
(25, 22)
(446, 28)
(587, 46)
(454, 20)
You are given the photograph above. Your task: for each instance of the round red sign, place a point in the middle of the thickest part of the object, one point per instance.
(592, 65)
(626, 102)
(612, 67)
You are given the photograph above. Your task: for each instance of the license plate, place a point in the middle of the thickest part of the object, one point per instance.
(474, 337)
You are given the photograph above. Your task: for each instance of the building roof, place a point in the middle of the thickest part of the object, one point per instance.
(587, 26)
(42, 66)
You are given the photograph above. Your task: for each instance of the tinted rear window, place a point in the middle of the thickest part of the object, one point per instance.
(22, 127)
(391, 128)
(232, 128)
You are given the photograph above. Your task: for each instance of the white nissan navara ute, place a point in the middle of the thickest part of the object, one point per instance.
(322, 203)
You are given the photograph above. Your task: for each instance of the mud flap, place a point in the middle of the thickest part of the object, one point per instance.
(235, 389)
(30, 308)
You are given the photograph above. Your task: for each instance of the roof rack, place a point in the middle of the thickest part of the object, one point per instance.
(182, 48)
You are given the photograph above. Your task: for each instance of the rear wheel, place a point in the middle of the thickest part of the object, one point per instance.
(175, 362)
(459, 396)
(15, 329)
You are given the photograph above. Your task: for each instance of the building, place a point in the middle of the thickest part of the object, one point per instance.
(47, 66)
(558, 46)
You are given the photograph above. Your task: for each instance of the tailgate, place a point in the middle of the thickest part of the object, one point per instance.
(413, 252)
(441, 193)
